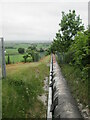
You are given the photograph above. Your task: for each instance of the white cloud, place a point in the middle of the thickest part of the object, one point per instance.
(36, 20)
(0, 20)
(44, 1)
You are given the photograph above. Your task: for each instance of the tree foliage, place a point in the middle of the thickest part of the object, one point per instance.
(41, 49)
(72, 42)
(21, 50)
(25, 57)
(32, 53)
(72, 45)
(69, 26)
(80, 49)
(8, 59)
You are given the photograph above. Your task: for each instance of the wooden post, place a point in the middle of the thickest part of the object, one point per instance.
(3, 59)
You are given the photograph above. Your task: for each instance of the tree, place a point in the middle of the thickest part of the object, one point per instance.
(80, 49)
(69, 26)
(25, 58)
(21, 50)
(34, 55)
(41, 50)
(8, 61)
(32, 51)
(33, 47)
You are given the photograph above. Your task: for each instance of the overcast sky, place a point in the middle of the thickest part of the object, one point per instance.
(30, 20)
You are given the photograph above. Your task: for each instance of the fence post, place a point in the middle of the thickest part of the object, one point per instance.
(3, 59)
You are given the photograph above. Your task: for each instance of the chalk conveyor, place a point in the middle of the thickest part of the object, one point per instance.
(61, 104)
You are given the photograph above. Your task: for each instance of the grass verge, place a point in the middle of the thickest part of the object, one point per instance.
(21, 88)
(79, 88)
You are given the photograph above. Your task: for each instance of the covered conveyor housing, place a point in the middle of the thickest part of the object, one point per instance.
(63, 104)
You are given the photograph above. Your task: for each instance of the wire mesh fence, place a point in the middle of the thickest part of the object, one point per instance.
(0, 81)
(61, 57)
(0, 58)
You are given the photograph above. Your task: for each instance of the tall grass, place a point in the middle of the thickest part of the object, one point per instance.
(79, 88)
(21, 88)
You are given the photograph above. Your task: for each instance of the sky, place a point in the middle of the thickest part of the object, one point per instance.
(36, 20)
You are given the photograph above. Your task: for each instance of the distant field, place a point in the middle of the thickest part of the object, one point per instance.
(15, 58)
(21, 88)
(12, 50)
(25, 45)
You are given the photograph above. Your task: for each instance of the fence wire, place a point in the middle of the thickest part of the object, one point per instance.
(0, 59)
(0, 81)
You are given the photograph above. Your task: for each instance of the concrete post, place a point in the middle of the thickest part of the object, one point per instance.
(3, 59)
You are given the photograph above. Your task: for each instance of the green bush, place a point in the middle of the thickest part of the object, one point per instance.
(80, 48)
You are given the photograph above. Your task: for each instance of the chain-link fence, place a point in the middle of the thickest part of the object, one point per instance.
(0, 81)
(61, 57)
(0, 58)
